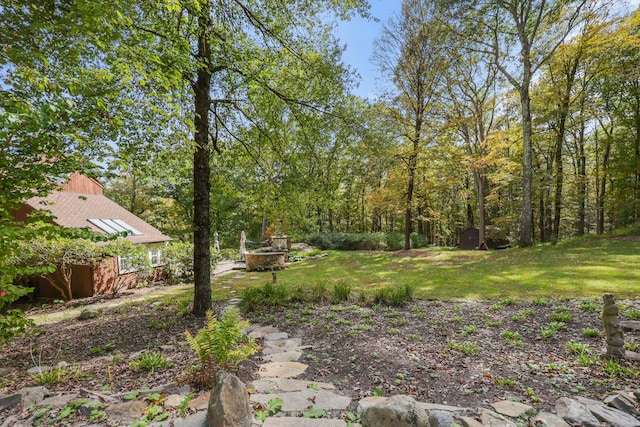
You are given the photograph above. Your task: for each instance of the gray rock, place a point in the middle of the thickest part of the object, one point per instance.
(199, 419)
(4, 372)
(58, 400)
(126, 412)
(623, 404)
(279, 346)
(229, 403)
(287, 356)
(613, 417)
(282, 369)
(510, 409)
(39, 369)
(441, 419)
(300, 400)
(173, 401)
(24, 397)
(302, 422)
(575, 413)
(549, 420)
(89, 313)
(200, 402)
(394, 411)
(279, 385)
(428, 407)
(493, 419)
(470, 422)
(276, 336)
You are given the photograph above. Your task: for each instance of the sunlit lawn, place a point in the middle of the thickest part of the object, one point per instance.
(572, 269)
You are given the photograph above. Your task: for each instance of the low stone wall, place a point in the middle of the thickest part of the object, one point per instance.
(261, 261)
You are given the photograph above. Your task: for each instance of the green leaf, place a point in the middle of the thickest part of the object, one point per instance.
(314, 413)
(274, 405)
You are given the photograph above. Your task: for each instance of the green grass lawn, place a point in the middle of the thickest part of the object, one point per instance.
(572, 269)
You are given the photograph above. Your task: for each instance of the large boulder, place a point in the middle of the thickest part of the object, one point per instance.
(229, 402)
(394, 411)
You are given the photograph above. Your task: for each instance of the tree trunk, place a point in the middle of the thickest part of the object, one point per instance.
(582, 183)
(202, 172)
(557, 202)
(407, 213)
(526, 220)
(602, 190)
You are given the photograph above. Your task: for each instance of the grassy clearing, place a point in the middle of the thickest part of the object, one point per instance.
(570, 269)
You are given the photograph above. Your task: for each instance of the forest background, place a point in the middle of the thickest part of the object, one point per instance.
(205, 116)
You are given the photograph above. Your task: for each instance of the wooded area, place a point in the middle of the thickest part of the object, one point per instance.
(225, 116)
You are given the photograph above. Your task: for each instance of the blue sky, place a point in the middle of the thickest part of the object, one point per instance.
(358, 35)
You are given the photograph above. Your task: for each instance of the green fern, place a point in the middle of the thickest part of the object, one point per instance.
(222, 344)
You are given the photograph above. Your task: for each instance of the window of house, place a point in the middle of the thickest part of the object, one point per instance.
(125, 265)
(155, 256)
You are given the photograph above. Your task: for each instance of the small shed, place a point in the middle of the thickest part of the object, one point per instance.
(470, 238)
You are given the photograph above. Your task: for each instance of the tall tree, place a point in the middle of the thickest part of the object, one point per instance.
(211, 56)
(471, 88)
(523, 32)
(411, 50)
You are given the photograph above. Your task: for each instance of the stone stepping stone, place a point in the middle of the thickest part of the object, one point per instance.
(549, 420)
(276, 336)
(301, 400)
(428, 407)
(269, 385)
(287, 356)
(262, 331)
(630, 325)
(575, 413)
(303, 422)
(510, 409)
(282, 369)
(285, 344)
(613, 417)
(126, 412)
(470, 422)
(493, 419)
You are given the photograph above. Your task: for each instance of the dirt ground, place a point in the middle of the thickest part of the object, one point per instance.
(458, 353)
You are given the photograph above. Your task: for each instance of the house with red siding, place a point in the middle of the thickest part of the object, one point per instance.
(80, 203)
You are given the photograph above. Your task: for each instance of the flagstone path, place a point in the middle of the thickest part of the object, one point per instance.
(278, 380)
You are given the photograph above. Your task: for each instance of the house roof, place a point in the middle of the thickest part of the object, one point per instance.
(74, 210)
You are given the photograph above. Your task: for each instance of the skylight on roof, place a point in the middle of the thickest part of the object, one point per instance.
(113, 226)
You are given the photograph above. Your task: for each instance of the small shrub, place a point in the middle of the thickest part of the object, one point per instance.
(402, 295)
(560, 317)
(541, 302)
(511, 337)
(150, 362)
(632, 313)
(341, 292)
(57, 375)
(577, 348)
(467, 348)
(505, 382)
(547, 333)
(394, 241)
(591, 332)
(178, 261)
(589, 305)
(419, 241)
(264, 297)
(469, 329)
(221, 344)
